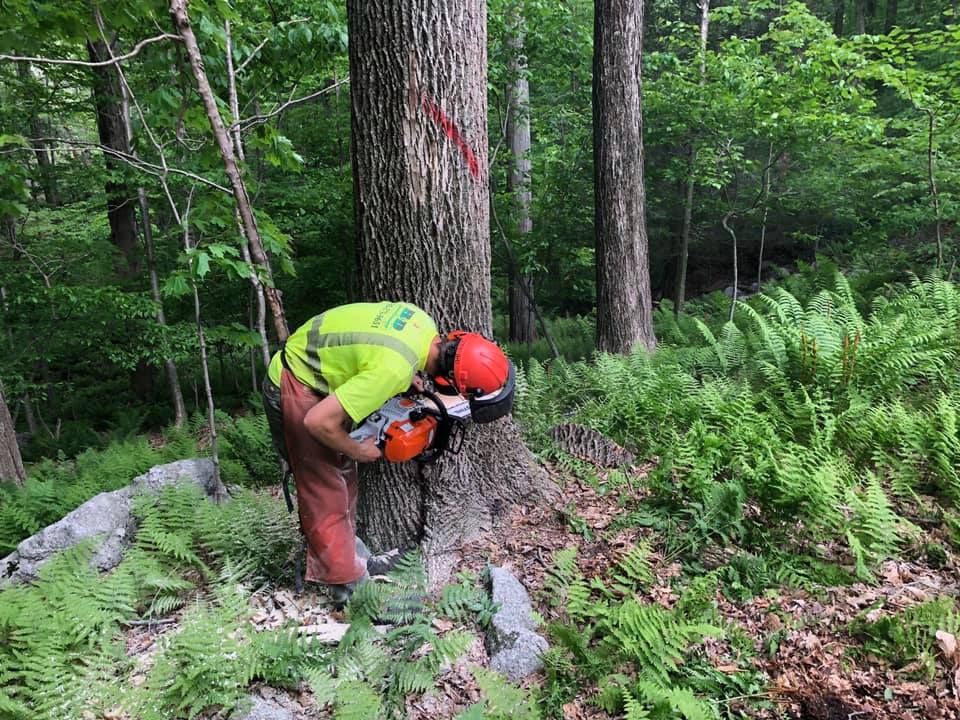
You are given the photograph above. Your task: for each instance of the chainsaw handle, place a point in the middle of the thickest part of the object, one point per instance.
(445, 430)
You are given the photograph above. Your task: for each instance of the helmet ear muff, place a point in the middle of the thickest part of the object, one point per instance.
(448, 355)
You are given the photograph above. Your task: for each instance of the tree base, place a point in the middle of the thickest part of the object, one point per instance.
(437, 508)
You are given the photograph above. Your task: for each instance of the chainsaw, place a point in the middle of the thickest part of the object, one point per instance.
(423, 426)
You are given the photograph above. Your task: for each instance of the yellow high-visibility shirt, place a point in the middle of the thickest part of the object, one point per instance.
(364, 353)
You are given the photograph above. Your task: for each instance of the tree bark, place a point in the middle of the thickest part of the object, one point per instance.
(41, 149)
(419, 149)
(890, 21)
(766, 210)
(838, 11)
(860, 18)
(170, 367)
(255, 283)
(736, 263)
(522, 320)
(111, 127)
(683, 254)
(11, 465)
(181, 21)
(624, 304)
(932, 179)
(220, 491)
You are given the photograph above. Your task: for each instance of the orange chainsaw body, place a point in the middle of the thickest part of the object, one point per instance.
(405, 439)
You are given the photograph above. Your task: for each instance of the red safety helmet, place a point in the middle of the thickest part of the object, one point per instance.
(474, 365)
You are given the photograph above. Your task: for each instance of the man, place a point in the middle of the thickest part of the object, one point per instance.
(334, 371)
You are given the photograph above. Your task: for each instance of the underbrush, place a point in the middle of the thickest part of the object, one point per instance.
(803, 425)
(55, 487)
(62, 642)
(632, 657)
(795, 446)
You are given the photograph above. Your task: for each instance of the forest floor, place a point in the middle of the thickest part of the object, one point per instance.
(800, 641)
(816, 669)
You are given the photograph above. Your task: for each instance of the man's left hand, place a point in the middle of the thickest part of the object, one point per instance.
(417, 383)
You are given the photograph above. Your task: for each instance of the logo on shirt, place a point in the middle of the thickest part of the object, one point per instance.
(401, 322)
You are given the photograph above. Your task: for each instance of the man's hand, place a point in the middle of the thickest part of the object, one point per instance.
(417, 382)
(368, 451)
(327, 422)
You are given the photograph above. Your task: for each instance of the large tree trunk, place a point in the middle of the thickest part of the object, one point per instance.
(418, 89)
(181, 21)
(523, 326)
(838, 12)
(11, 466)
(111, 126)
(624, 306)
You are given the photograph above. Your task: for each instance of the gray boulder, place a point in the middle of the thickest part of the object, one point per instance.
(515, 648)
(106, 517)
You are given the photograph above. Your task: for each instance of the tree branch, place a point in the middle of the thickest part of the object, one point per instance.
(260, 119)
(140, 164)
(83, 63)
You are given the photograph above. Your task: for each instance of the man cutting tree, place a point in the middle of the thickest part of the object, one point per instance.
(334, 371)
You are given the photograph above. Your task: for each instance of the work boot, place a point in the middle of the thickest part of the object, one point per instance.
(378, 565)
(340, 594)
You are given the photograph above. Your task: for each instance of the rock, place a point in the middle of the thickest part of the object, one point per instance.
(106, 516)
(514, 646)
(265, 710)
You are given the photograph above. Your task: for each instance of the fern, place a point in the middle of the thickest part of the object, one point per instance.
(625, 639)
(465, 600)
(908, 638)
(633, 571)
(502, 701)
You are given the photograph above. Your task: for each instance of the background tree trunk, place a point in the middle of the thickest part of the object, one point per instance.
(111, 126)
(838, 12)
(181, 21)
(11, 466)
(683, 255)
(261, 322)
(523, 326)
(418, 91)
(170, 367)
(890, 21)
(860, 17)
(624, 306)
(41, 148)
